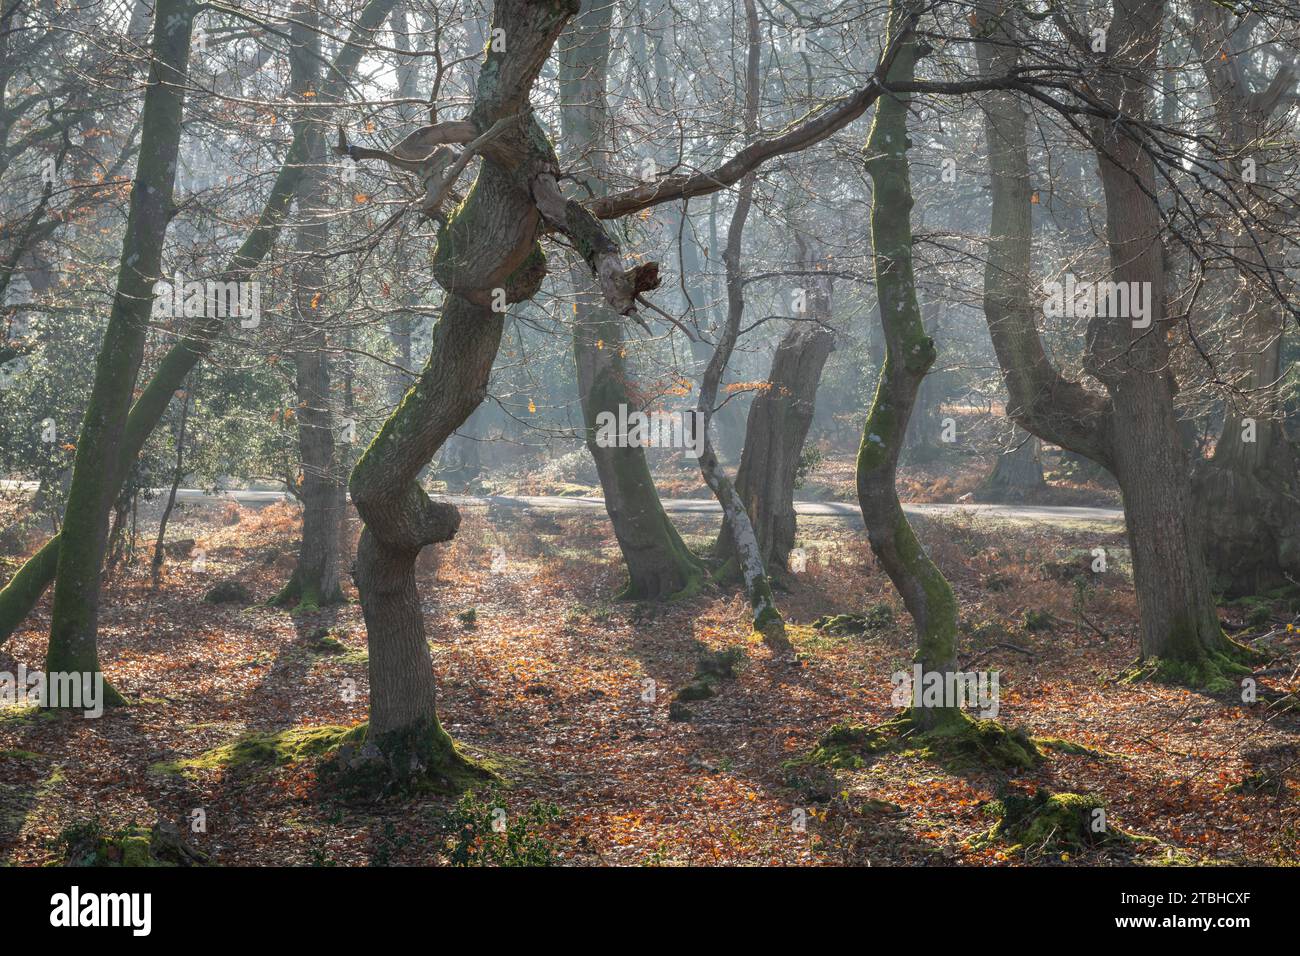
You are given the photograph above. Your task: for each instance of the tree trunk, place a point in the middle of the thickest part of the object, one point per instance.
(909, 353)
(1180, 629)
(778, 424)
(924, 433)
(749, 554)
(27, 585)
(98, 472)
(1018, 474)
(488, 243)
(315, 580)
(1249, 491)
(400, 520)
(1180, 624)
(658, 562)
(402, 322)
(178, 474)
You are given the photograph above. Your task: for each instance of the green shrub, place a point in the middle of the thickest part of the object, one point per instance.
(482, 832)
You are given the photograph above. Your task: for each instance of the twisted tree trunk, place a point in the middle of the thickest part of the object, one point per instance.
(744, 540)
(487, 252)
(909, 353)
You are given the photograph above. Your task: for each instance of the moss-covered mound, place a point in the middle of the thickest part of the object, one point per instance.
(957, 740)
(351, 763)
(89, 844)
(711, 667)
(266, 749)
(879, 617)
(1050, 822)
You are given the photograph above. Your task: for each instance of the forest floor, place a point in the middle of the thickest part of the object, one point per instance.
(946, 480)
(569, 691)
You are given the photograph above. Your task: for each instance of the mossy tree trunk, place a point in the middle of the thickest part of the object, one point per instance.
(658, 562)
(744, 540)
(489, 243)
(909, 353)
(25, 588)
(315, 579)
(1178, 618)
(98, 471)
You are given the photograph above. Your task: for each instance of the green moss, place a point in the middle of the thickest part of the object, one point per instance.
(323, 642)
(697, 690)
(1050, 822)
(24, 712)
(879, 617)
(419, 758)
(1060, 745)
(844, 746)
(21, 755)
(87, 843)
(267, 749)
(1038, 620)
(957, 741)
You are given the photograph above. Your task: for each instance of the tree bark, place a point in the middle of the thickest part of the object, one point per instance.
(779, 419)
(487, 250)
(1180, 628)
(25, 588)
(98, 472)
(178, 474)
(1018, 473)
(924, 432)
(909, 353)
(658, 562)
(1249, 492)
(744, 540)
(315, 579)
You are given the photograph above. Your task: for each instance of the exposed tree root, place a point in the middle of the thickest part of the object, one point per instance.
(1214, 671)
(352, 764)
(417, 759)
